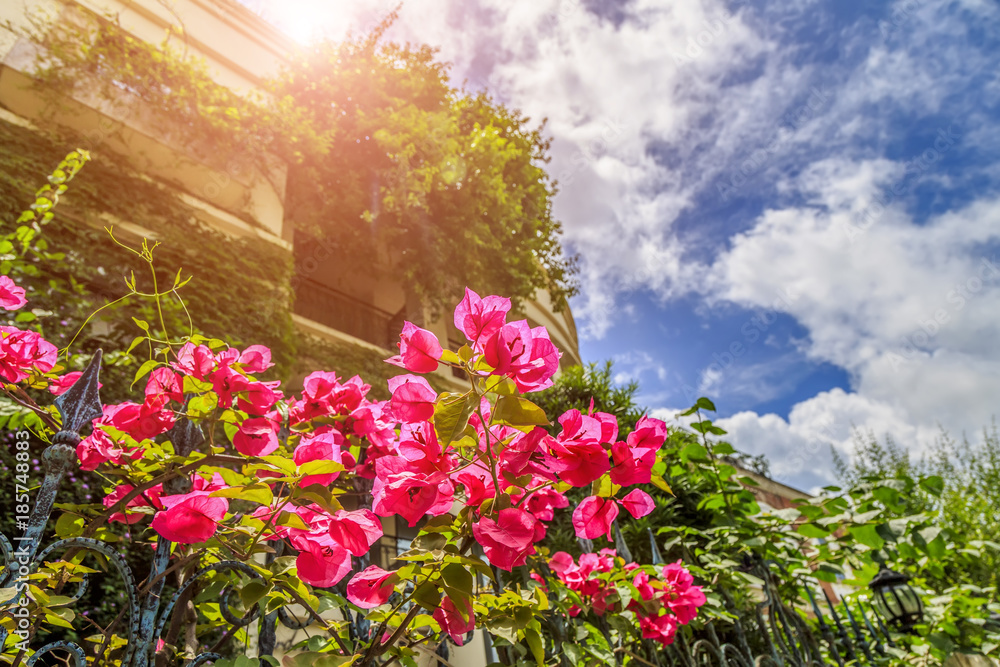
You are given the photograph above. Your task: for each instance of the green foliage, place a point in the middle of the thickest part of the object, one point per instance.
(960, 485)
(935, 521)
(405, 175)
(82, 269)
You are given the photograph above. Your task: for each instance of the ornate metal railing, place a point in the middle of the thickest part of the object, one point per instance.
(342, 312)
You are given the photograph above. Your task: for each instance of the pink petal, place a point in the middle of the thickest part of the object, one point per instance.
(371, 587)
(638, 503)
(355, 531)
(450, 619)
(256, 436)
(413, 398)
(593, 517)
(189, 518)
(11, 295)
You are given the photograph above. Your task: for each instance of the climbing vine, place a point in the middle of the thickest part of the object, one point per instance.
(387, 161)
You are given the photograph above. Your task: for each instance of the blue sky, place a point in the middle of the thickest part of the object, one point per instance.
(792, 208)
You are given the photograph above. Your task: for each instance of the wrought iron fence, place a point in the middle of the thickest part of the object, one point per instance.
(774, 633)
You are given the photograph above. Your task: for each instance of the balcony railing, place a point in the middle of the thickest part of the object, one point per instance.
(332, 308)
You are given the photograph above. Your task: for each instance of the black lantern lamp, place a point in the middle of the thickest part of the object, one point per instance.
(896, 600)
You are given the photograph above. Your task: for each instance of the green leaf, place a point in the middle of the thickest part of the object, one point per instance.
(457, 578)
(661, 484)
(142, 324)
(723, 448)
(933, 485)
(451, 414)
(812, 530)
(291, 520)
(143, 370)
(701, 404)
(257, 493)
(69, 525)
(694, 452)
(867, 535)
(500, 384)
(253, 592)
(534, 641)
(427, 596)
(135, 343)
(315, 659)
(449, 357)
(519, 413)
(203, 405)
(320, 468)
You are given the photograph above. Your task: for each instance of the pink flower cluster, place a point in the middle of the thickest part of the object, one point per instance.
(667, 595)
(510, 476)
(512, 349)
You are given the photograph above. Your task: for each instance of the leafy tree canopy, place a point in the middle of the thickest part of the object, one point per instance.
(404, 173)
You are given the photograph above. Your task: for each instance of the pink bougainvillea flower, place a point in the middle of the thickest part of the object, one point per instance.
(225, 383)
(98, 448)
(478, 485)
(213, 483)
(413, 398)
(579, 427)
(480, 318)
(256, 436)
(151, 495)
(258, 397)
(660, 628)
(578, 463)
(256, 359)
(194, 360)
(419, 350)
(355, 531)
(142, 422)
(560, 562)
(638, 503)
(411, 493)
(543, 503)
(321, 561)
(505, 349)
(525, 453)
(163, 381)
(642, 584)
(21, 351)
(631, 465)
(535, 373)
(226, 357)
(524, 354)
(371, 587)
(322, 446)
(508, 540)
(649, 433)
(324, 394)
(683, 597)
(190, 518)
(451, 619)
(593, 517)
(11, 295)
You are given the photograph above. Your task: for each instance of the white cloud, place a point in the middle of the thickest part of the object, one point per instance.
(674, 104)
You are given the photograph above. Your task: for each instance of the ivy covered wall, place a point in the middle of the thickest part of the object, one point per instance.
(249, 300)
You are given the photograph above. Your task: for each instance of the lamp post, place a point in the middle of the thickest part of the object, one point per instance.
(896, 600)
